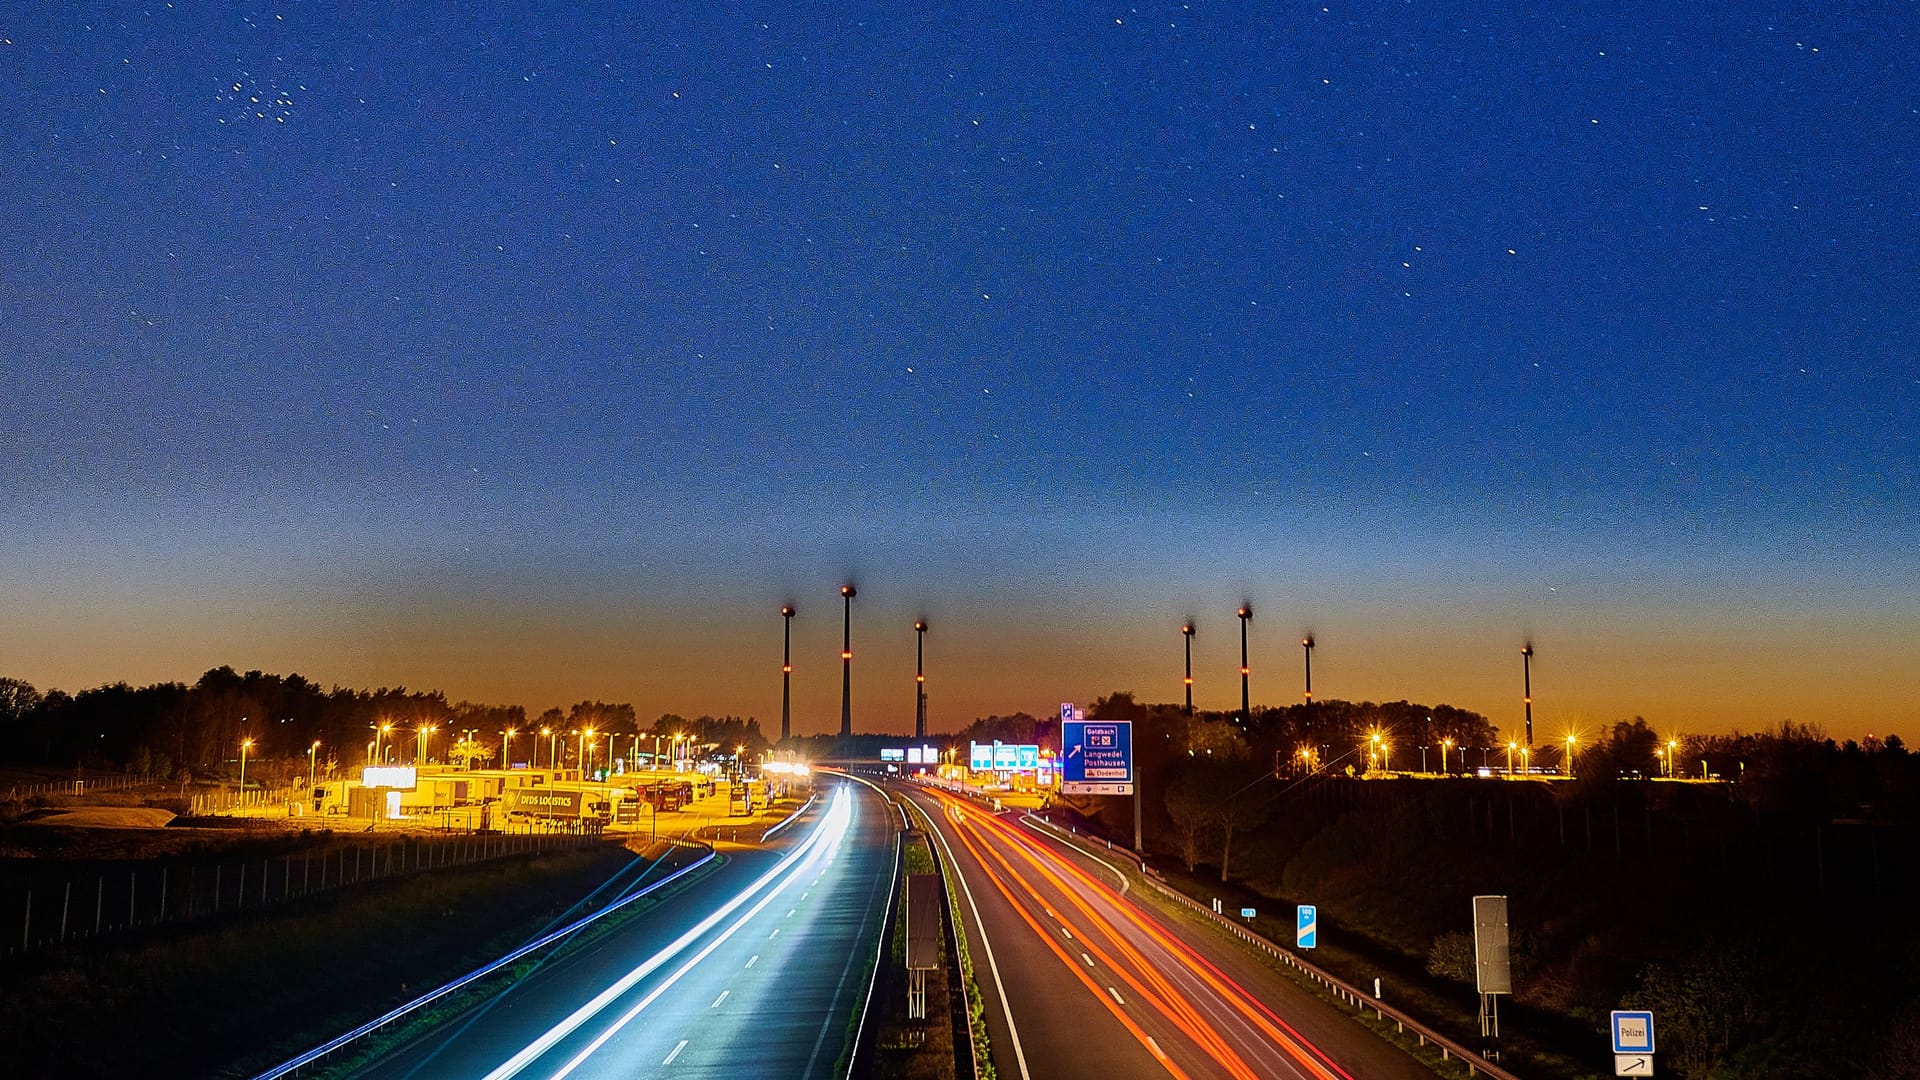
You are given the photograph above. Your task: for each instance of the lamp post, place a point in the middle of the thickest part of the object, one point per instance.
(847, 592)
(786, 672)
(1445, 745)
(1186, 634)
(553, 747)
(1673, 752)
(1306, 647)
(245, 745)
(919, 678)
(1526, 676)
(1246, 702)
(313, 757)
(1510, 749)
(506, 748)
(1570, 741)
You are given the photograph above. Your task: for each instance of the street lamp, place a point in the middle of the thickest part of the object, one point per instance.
(1245, 612)
(581, 754)
(847, 593)
(919, 678)
(245, 745)
(1510, 749)
(1445, 745)
(313, 756)
(1306, 646)
(1186, 633)
(1673, 752)
(1570, 741)
(786, 672)
(506, 748)
(553, 740)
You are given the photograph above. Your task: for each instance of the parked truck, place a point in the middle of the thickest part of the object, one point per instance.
(557, 804)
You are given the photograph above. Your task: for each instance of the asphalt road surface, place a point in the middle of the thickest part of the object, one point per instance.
(756, 971)
(1080, 980)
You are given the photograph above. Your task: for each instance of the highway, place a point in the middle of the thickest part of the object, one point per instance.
(1080, 980)
(757, 970)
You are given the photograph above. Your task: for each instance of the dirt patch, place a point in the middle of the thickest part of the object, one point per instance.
(101, 817)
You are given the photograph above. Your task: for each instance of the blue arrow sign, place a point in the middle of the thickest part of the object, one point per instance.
(1308, 926)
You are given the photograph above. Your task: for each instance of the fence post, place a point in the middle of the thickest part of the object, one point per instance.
(286, 877)
(133, 877)
(240, 894)
(216, 888)
(263, 882)
(163, 893)
(66, 901)
(26, 931)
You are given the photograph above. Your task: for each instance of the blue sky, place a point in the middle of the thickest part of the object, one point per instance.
(496, 352)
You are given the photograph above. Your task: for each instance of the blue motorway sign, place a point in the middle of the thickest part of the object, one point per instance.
(1028, 756)
(1096, 757)
(1307, 926)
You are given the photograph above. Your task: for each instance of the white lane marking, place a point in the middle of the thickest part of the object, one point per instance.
(775, 934)
(675, 1053)
(806, 894)
(1034, 823)
(838, 823)
(1116, 996)
(1087, 958)
(1067, 932)
(724, 993)
(752, 960)
(1155, 1047)
(1006, 1008)
(790, 912)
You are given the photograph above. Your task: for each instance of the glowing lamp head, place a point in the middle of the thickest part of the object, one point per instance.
(1187, 629)
(848, 591)
(920, 625)
(846, 654)
(1245, 611)
(786, 611)
(787, 668)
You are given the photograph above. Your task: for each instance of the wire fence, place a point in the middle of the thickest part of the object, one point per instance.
(52, 913)
(80, 785)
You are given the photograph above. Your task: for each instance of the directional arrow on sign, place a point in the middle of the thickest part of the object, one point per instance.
(1633, 1064)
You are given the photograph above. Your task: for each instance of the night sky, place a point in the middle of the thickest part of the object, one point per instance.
(539, 358)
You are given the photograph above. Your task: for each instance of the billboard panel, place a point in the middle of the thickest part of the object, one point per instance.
(1492, 969)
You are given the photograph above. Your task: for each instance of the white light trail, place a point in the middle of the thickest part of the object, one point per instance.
(823, 839)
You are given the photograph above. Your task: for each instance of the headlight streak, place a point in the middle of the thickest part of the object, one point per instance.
(1277, 1030)
(822, 838)
(1242, 1000)
(837, 821)
(1227, 990)
(1093, 988)
(388, 1017)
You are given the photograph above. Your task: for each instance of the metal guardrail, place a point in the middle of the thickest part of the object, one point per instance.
(1450, 1049)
